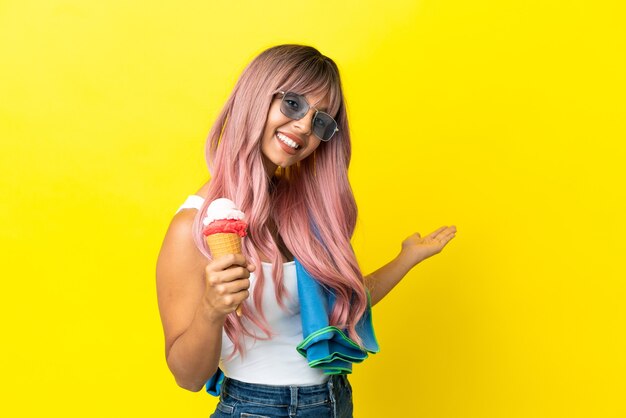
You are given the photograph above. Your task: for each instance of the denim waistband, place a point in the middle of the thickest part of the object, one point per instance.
(282, 396)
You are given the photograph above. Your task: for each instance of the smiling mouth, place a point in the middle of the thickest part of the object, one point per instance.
(287, 141)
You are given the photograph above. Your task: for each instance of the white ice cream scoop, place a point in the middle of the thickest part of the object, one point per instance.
(222, 208)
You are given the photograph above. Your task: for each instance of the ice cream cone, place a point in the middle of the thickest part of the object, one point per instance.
(224, 243)
(224, 227)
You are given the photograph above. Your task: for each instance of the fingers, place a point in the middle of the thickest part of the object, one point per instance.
(230, 288)
(227, 282)
(228, 260)
(442, 232)
(235, 263)
(229, 302)
(446, 235)
(446, 239)
(435, 233)
(228, 275)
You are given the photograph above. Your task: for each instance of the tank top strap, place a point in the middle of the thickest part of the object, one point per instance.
(193, 202)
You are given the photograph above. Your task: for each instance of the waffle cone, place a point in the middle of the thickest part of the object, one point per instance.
(223, 243)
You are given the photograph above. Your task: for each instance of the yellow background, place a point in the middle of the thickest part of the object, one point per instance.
(505, 118)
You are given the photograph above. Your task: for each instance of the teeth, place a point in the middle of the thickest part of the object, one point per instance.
(287, 141)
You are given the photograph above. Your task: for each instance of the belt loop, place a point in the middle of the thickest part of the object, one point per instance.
(293, 405)
(223, 386)
(331, 394)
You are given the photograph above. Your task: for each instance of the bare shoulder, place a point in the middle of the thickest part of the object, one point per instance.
(179, 258)
(179, 252)
(178, 245)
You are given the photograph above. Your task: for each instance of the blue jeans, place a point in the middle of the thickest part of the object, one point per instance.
(330, 399)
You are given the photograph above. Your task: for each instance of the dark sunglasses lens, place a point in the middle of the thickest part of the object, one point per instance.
(294, 106)
(324, 126)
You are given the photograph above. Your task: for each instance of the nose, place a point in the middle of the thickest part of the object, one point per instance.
(304, 124)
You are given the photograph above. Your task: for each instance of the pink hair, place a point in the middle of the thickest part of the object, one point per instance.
(311, 202)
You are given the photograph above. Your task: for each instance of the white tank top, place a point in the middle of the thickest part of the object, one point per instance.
(274, 361)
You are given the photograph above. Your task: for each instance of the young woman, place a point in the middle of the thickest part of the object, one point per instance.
(280, 150)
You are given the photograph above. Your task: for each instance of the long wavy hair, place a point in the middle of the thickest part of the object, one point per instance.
(311, 202)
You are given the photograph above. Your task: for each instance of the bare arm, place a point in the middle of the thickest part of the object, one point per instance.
(194, 300)
(415, 249)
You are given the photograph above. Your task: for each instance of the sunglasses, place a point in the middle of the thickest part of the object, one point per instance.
(295, 106)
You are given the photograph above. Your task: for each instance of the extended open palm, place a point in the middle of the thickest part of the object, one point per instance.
(419, 248)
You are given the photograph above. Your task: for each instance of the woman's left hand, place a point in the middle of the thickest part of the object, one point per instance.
(417, 248)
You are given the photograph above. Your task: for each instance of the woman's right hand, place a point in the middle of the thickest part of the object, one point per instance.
(227, 284)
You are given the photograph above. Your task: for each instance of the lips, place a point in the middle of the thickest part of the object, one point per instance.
(288, 142)
(294, 138)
